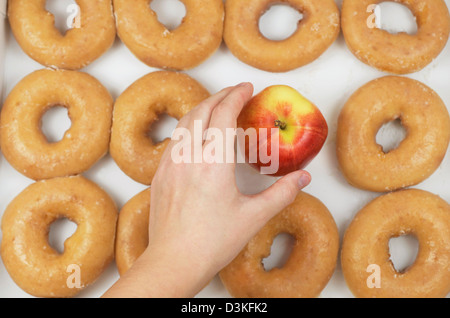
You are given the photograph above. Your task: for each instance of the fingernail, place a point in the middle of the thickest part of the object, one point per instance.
(304, 180)
(243, 84)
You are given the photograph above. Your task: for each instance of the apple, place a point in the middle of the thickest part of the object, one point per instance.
(302, 128)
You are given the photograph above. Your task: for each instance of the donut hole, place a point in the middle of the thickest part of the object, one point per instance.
(279, 22)
(281, 250)
(162, 128)
(59, 232)
(65, 13)
(403, 251)
(170, 13)
(395, 18)
(54, 123)
(391, 135)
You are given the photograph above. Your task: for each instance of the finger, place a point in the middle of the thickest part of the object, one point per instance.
(203, 110)
(281, 194)
(200, 113)
(226, 113)
(225, 116)
(200, 116)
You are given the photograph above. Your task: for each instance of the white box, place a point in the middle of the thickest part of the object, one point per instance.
(328, 82)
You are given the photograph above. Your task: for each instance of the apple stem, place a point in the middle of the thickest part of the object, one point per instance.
(280, 124)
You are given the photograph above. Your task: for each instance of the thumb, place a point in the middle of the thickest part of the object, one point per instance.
(281, 194)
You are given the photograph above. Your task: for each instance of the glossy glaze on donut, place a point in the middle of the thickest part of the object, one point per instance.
(132, 231)
(399, 53)
(135, 111)
(89, 107)
(366, 243)
(310, 265)
(34, 29)
(194, 41)
(424, 116)
(317, 30)
(29, 259)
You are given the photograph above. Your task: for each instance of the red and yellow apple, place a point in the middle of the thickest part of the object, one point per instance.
(302, 128)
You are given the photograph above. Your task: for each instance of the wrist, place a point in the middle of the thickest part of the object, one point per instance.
(169, 275)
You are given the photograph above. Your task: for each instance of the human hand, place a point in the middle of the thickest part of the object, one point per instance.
(199, 221)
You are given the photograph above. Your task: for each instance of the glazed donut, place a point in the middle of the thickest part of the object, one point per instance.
(132, 231)
(194, 41)
(422, 113)
(135, 111)
(316, 32)
(366, 242)
(89, 106)
(34, 29)
(310, 265)
(396, 53)
(29, 259)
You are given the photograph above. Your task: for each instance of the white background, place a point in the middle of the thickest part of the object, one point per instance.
(328, 82)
